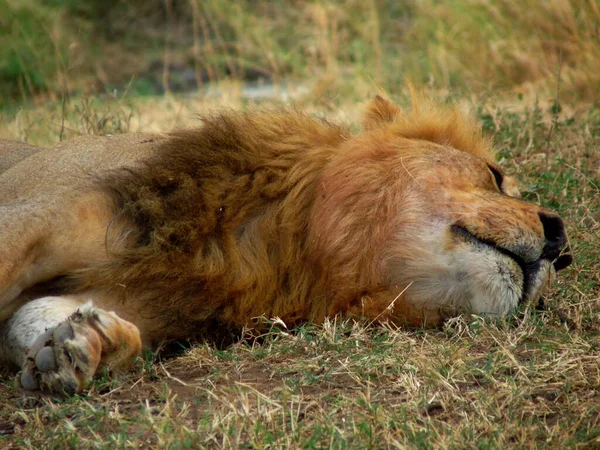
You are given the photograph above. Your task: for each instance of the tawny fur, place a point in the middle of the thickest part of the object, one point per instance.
(221, 224)
(260, 213)
(271, 213)
(217, 222)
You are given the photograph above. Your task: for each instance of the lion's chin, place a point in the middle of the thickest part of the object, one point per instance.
(477, 281)
(468, 279)
(499, 284)
(539, 282)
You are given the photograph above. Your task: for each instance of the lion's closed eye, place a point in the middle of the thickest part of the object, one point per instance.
(498, 177)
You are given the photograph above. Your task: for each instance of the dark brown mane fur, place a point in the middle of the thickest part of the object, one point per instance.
(273, 214)
(216, 222)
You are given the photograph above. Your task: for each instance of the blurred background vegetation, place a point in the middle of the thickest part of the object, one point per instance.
(52, 49)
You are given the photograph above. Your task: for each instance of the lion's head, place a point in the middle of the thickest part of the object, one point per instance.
(417, 207)
(281, 214)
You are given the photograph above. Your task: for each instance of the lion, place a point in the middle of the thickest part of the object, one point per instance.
(111, 244)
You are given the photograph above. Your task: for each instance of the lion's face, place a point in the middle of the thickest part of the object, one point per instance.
(430, 217)
(467, 244)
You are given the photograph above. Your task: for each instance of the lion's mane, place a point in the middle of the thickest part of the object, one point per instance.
(217, 224)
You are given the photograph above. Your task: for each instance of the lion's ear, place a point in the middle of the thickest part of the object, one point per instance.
(379, 111)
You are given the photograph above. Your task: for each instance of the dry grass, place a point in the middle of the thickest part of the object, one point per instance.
(517, 45)
(342, 46)
(530, 381)
(531, 384)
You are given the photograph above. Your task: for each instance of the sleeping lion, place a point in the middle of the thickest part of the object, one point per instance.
(109, 244)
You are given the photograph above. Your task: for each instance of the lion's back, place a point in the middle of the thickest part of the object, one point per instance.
(12, 152)
(28, 173)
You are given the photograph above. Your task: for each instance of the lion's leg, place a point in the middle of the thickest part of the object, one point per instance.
(60, 343)
(39, 243)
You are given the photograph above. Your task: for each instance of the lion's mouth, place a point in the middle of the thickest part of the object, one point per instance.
(559, 257)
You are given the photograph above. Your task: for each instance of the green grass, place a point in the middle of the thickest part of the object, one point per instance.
(530, 381)
(532, 384)
(49, 49)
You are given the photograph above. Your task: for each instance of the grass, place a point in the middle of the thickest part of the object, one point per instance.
(514, 45)
(49, 49)
(530, 381)
(531, 384)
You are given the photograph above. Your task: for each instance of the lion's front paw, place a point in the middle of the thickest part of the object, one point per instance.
(66, 358)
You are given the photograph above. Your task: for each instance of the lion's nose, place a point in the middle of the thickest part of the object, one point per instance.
(556, 241)
(554, 230)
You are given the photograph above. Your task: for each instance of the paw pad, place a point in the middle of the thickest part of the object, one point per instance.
(45, 360)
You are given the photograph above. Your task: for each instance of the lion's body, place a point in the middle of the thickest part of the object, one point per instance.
(43, 199)
(272, 214)
(12, 153)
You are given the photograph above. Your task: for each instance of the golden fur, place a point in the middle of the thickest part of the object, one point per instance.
(218, 219)
(275, 214)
